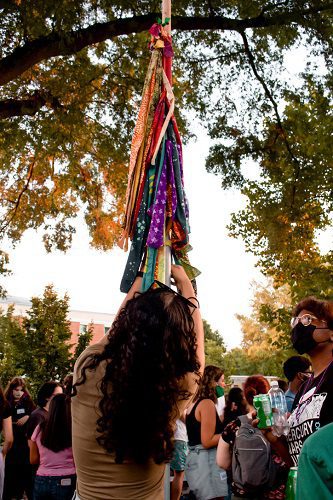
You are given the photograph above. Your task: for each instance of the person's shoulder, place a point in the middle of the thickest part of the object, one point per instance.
(35, 433)
(87, 354)
(37, 411)
(289, 394)
(206, 404)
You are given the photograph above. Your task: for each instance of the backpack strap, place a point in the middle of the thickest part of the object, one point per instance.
(244, 419)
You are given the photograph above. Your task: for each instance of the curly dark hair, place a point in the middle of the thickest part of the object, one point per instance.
(151, 347)
(207, 388)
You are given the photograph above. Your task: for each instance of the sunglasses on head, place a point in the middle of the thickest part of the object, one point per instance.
(165, 287)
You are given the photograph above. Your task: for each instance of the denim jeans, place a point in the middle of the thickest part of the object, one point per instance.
(54, 487)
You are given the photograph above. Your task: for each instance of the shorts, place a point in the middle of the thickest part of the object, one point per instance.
(180, 452)
(205, 478)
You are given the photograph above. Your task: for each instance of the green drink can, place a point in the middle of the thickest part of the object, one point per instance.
(262, 404)
(291, 484)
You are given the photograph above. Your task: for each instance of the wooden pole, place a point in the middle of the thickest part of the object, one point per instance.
(166, 13)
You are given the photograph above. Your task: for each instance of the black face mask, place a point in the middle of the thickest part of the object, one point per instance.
(302, 338)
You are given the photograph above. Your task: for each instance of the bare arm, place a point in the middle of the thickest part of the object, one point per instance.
(7, 430)
(280, 446)
(223, 454)
(34, 453)
(185, 287)
(206, 414)
(22, 420)
(136, 287)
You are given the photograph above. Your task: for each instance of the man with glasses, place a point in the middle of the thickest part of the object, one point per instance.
(296, 370)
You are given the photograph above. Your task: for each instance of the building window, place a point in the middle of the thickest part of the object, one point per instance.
(83, 329)
(106, 329)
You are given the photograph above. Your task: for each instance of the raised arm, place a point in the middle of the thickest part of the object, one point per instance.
(185, 287)
(136, 287)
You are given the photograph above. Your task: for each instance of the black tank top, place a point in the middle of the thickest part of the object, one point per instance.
(194, 427)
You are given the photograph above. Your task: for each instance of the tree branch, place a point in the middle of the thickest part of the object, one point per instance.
(28, 106)
(267, 92)
(9, 218)
(67, 43)
(277, 114)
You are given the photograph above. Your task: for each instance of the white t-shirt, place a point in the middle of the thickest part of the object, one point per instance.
(180, 432)
(220, 405)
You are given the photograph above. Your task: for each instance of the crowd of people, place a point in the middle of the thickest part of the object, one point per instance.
(143, 397)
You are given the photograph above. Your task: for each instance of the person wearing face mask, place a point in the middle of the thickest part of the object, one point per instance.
(219, 391)
(296, 369)
(312, 334)
(18, 477)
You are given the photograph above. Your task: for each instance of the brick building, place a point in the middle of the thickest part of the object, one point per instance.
(79, 320)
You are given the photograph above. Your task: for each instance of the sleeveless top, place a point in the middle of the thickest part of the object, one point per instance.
(194, 427)
(99, 477)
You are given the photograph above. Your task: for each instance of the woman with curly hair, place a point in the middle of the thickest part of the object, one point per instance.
(204, 427)
(130, 388)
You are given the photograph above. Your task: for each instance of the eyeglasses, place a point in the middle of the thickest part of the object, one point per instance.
(307, 374)
(305, 319)
(168, 289)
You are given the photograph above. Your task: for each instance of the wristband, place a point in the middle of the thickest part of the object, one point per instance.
(139, 274)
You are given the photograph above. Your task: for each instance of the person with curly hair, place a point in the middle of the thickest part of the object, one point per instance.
(205, 479)
(130, 388)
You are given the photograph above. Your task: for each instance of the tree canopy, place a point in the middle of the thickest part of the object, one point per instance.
(71, 75)
(38, 345)
(266, 334)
